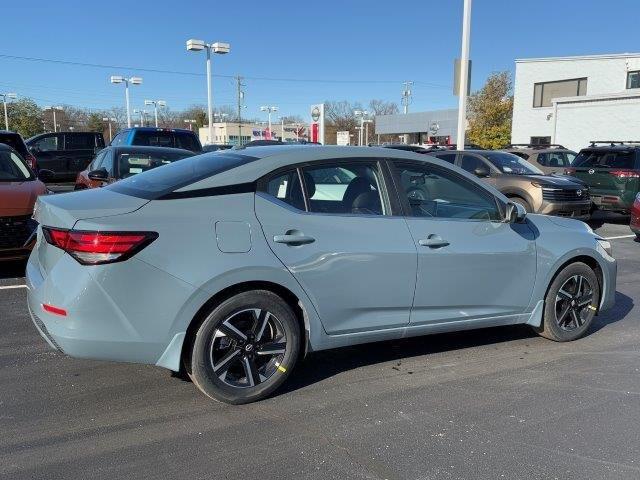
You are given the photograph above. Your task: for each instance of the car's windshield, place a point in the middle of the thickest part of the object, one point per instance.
(511, 164)
(13, 168)
(605, 159)
(130, 163)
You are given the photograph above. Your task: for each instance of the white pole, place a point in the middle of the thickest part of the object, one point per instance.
(55, 124)
(209, 95)
(269, 120)
(126, 95)
(155, 111)
(110, 135)
(6, 118)
(282, 129)
(464, 74)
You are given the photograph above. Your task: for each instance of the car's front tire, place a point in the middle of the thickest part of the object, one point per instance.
(570, 304)
(245, 348)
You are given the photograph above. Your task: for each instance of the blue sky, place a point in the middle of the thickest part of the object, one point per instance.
(337, 50)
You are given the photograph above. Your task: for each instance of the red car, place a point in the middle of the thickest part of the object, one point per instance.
(19, 189)
(635, 217)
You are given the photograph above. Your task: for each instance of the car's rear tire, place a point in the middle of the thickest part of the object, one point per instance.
(570, 304)
(245, 348)
(523, 203)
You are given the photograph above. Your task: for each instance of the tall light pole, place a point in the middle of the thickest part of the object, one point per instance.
(464, 74)
(269, 109)
(109, 120)
(53, 109)
(190, 122)
(4, 101)
(282, 128)
(219, 48)
(131, 80)
(156, 104)
(362, 114)
(366, 129)
(143, 115)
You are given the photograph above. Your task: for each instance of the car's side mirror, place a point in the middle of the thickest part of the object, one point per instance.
(45, 175)
(515, 213)
(100, 175)
(481, 172)
(33, 149)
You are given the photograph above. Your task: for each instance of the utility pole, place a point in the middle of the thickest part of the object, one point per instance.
(240, 99)
(406, 96)
(464, 74)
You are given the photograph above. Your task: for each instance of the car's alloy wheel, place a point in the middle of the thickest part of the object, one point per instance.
(570, 304)
(245, 348)
(573, 303)
(248, 347)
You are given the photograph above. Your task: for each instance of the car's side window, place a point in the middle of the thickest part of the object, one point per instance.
(554, 159)
(286, 187)
(471, 162)
(436, 192)
(345, 188)
(48, 144)
(97, 162)
(107, 163)
(119, 138)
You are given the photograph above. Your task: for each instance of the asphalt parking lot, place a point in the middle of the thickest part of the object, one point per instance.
(493, 403)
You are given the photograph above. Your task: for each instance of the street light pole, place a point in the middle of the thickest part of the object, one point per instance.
(156, 104)
(464, 74)
(269, 109)
(217, 47)
(126, 81)
(362, 114)
(109, 120)
(55, 123)
(4, 101)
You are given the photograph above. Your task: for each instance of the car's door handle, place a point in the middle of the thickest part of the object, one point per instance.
(433, 241)
(293, 239)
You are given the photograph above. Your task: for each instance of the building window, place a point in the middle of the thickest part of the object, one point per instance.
(540, 140)
(544, 93)
(633, 79)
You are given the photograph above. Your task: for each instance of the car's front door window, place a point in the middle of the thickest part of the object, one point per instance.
(434, 192)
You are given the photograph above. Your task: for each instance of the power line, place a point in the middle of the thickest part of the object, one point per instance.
(196, 74)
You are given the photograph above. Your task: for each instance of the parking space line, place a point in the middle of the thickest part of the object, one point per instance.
(619, 236)
(8, 287)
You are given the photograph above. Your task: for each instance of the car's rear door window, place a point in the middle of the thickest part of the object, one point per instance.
(345, 188)
(79, 141)
(625, 159)
(286, 187)
(13, 168)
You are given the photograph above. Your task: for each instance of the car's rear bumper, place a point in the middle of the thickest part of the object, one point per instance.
(614, 203)
(121, 312)
(577, 210)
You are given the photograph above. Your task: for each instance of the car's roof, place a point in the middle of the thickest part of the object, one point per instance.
(262, 160)
(160, 129)
(9, 132)
(4, 146)
(145, 148)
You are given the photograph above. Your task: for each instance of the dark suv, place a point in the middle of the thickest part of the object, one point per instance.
(550, 158)
(158, 137)
(524, 183)
(65, 153)
(612, 171)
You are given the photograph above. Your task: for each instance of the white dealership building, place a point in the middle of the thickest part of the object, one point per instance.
(574, 100)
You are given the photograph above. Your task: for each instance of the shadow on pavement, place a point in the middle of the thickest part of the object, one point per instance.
(12, 269)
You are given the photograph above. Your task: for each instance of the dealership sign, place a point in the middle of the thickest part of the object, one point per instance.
(317, 123)
(342, 138)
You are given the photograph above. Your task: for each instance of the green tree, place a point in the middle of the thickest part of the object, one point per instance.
(95, 123)
(25, 117)
(490, 112)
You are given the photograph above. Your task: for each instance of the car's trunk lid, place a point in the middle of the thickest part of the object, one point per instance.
(66, 209)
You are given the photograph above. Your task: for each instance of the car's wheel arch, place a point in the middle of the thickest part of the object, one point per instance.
(588, 260)
(520, 193)
(292, 299)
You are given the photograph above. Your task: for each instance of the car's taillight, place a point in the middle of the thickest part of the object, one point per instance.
(625, 173)
(32, 162)
(569, 171)
(95, 248)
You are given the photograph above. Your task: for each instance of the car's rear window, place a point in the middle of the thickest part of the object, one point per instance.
(133, 163)
(13, 168)
(169, 139)
(606, 159)
(14, 141)
(158, 182)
